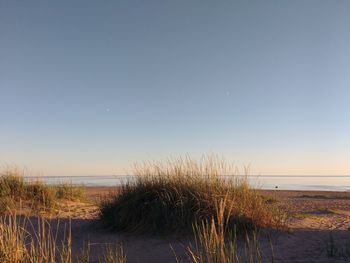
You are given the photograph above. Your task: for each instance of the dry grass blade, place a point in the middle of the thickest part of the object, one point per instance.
(215, 243)
(22, 241)
(113, 254)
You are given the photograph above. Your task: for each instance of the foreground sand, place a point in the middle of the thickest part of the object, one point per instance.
(314, 217)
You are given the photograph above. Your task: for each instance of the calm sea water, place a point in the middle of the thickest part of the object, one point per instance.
(312, 183)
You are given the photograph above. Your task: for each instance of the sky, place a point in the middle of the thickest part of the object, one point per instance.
(90, 87)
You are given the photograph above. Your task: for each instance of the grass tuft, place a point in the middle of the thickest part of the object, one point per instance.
(14, 189)
(216, 242)
(171, 196)
(69, 191)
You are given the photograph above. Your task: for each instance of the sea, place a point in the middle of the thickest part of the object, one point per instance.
(290, 182)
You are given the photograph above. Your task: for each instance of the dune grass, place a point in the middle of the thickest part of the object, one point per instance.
(171, 196)
(14, 190)
(216, 242)
(23, 242)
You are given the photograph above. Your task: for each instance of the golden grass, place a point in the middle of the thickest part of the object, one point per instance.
(173, 195)
(215, 242)
(23, 242)
(18, 244)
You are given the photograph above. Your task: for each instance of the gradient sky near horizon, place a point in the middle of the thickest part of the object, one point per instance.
(89, 87)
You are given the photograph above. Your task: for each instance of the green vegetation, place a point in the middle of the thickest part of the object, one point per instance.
(14, 190)
(68, 191)
(172, 196)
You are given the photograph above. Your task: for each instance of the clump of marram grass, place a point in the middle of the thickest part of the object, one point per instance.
(171, 196)
(40, 194)
(11, 185)
(215, 242)
(68, 191)
(15, 189)
(21, 241)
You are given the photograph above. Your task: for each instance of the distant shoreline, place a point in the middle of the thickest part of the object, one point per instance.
(298, 183)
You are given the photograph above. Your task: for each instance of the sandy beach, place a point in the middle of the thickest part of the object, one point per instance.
(314, 217)
(192, 108)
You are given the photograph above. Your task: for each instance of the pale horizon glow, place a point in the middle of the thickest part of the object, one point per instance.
(89, 88)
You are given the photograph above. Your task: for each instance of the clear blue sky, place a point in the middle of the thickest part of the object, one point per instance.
(89, 87)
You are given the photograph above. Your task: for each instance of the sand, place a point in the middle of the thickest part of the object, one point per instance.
(314, 217)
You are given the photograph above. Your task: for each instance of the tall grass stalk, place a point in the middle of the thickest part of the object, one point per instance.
(113, 254)
(216, 243)
(21, 241)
